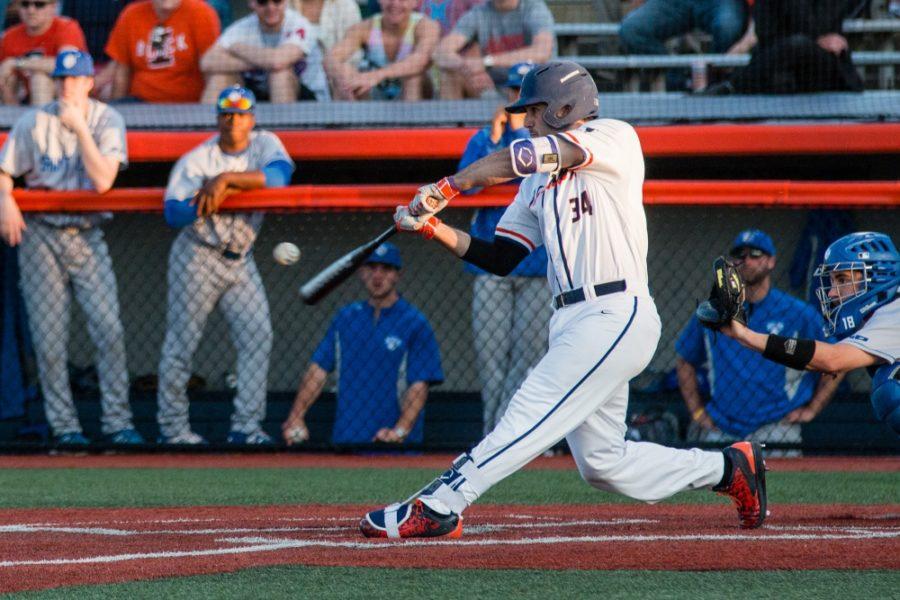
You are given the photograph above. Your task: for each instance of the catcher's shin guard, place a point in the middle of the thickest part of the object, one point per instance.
(746, 483)
(418, 518)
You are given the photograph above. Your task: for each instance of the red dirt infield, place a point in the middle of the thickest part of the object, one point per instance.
(293, 460)
(58, 547)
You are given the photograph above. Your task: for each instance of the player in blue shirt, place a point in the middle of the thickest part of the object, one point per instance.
(371, 343)
(752, 397)
(509, 314)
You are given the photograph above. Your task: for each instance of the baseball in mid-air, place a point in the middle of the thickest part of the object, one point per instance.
(286, 253)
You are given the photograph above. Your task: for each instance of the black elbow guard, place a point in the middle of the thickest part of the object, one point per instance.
(790, 352)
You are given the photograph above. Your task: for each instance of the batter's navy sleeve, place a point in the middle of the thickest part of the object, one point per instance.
(326, 353)
(499, 257)
(423, 361)
(278, 173)
(689, 345)
(179, 213)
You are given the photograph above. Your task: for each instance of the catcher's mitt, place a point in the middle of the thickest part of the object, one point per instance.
(726, 300)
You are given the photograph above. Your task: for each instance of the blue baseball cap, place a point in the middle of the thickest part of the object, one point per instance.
(72, 63)
(754, 238)
(386, 254)
(236, 100)
(517, 73)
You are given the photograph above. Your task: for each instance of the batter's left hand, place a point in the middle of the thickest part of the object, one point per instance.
(432, 198)
(425, 225)
(211, 196)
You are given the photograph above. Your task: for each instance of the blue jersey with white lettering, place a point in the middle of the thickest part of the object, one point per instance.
(374, 359)
(749, 391)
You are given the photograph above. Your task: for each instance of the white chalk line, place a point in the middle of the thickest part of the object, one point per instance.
(261, 544)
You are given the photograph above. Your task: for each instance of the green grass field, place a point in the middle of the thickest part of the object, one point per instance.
(22, 488)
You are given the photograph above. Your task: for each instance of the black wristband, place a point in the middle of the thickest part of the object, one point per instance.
(790, 352)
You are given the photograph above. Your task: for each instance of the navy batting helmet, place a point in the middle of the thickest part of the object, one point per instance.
(565, 87)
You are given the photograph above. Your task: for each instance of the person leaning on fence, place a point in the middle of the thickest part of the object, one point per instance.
(750, 397)
(273, 51)
(801, 48)
(74, 143)
(509, 314)
(211, 264)
(155, 47)
(504, 32)
(396, 46)
(28, 52)
(646, 29)
(372, 343)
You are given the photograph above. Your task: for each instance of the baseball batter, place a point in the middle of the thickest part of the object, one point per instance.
(72, 144)
(858, 287)
(211, 264)
(582, 199)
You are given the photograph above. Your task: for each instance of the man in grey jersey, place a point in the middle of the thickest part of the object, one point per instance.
(74, 143)
(211, 264)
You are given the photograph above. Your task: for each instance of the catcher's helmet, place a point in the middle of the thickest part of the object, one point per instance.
(876, 258)
(566, 87)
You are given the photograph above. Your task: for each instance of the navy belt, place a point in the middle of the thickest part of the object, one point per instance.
(231, 255)
(576, 296)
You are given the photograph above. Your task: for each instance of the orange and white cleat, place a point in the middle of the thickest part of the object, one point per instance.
(746, 484)
(420, 518)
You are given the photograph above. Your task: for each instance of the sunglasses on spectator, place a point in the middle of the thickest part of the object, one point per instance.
(743, 253)
(265, 2)
(33, 4)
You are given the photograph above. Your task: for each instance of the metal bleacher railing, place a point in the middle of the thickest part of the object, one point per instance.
(569, 34)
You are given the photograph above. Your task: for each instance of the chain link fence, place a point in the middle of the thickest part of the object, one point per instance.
(188, 339)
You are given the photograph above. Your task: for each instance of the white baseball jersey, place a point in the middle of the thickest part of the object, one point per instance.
(880, 336)
(590, 218)
(295, 30)
(232, 231)
(47, 153)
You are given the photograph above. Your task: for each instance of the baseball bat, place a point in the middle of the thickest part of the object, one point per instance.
(337, 272)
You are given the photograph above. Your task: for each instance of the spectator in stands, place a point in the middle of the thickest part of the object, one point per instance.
(508, 342)
(273, 51)
(801, 48)
(223, 9)
(396, 46)
(155, 47)
(97, 18)
(330, 18)
(447, 12)
(372, 343)
(646, 29)
(751, 397)
(28, 52)
(505, 32)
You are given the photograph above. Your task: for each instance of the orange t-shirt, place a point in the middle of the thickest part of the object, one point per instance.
(164, 58)
(63, 32)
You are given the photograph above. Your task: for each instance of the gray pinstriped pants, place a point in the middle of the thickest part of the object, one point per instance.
(54, 261)
(509, 321)
(200, 279)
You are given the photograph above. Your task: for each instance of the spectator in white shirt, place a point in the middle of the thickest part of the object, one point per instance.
(273, 51)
